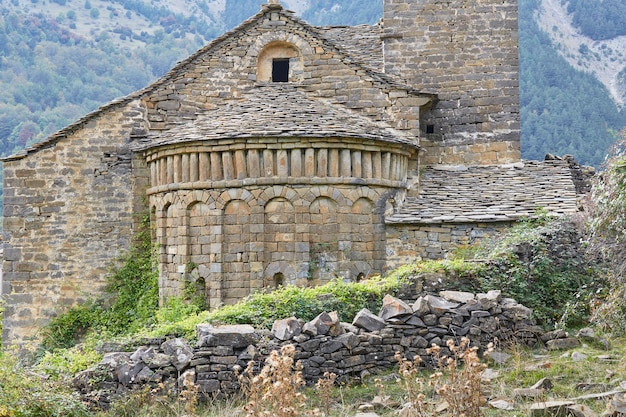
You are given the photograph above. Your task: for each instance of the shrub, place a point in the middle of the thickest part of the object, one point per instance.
(23, 393)
(262, 309)
(537, 263)
(606, 218)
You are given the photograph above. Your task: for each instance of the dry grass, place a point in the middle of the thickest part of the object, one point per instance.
(276, 390)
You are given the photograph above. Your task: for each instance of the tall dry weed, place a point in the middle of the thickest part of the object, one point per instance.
(457, 381)
(276, 390)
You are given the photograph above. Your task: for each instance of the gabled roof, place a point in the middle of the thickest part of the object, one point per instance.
(489, 193)
(331, 36)
(363, 42)
(277, 110)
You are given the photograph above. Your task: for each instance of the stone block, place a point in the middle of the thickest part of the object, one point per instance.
(368, 321)
(393, 307)
(235, 336)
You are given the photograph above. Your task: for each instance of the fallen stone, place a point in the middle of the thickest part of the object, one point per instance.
(489, 374)
(518, 311)
(578, 357)
(126, 373)
(237, 335)
(113, 359)
(393, 307)
(367, 320)
(554, 334)
(526, 393)
(586, 332)
(322, 324)
(457, 296)
(286, 329)
(335, 325)
(350, 328)
(563, 344)
(502, 404)
(616, 407)
(580, 410)
(155, 359)
(499, 358)
(489, 300)
(550, 408)
(543, 383)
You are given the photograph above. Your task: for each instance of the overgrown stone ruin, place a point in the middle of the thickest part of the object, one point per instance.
(352, 350)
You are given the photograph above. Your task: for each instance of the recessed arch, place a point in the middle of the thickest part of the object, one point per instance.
(280, 61)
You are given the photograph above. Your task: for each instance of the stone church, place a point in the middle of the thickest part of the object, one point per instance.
(284, 154)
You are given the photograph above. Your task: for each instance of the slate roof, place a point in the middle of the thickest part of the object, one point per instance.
(362, 42)
(277, 110)
(489, 193)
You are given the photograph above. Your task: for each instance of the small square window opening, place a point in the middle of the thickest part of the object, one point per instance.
(280, 70)
(430, 128)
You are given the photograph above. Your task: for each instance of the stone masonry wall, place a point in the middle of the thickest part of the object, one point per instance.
(406, 243)
(466, 52)
(229, 66)
(324, 344)
(67, 216)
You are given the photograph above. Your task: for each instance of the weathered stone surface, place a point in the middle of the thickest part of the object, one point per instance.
(324, 324)
(286, 329)
(439, 305)
(550, 408)
(179, 351)
(563, 344)
(237, 336)
(457, 296)
(554, 334)
(367, 320)
(421, 307)
(393, 307)
(581, 410)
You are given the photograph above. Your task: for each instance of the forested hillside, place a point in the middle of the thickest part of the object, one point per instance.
(60, 59)
(563, 110)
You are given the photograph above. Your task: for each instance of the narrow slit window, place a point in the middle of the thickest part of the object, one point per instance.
(280, 70)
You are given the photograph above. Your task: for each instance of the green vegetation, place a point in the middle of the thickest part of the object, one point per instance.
(130, 304)
(599, 23)
(563, 111)
(607, 215)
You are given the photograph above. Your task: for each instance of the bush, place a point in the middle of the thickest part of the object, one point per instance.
(539, 263)
(23, 393)
(262, 309)
(606, 218)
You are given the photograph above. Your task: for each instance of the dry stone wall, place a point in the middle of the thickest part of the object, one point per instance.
(325, 344)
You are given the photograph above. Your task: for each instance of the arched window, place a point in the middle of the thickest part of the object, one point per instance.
(279, 62)
(279, 280)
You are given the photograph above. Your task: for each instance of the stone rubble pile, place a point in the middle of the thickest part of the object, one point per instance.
(325, 344)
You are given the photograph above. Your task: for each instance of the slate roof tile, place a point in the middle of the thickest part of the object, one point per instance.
(489, 193)
(277, 110)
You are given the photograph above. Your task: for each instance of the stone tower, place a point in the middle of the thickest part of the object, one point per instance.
(466, 51)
